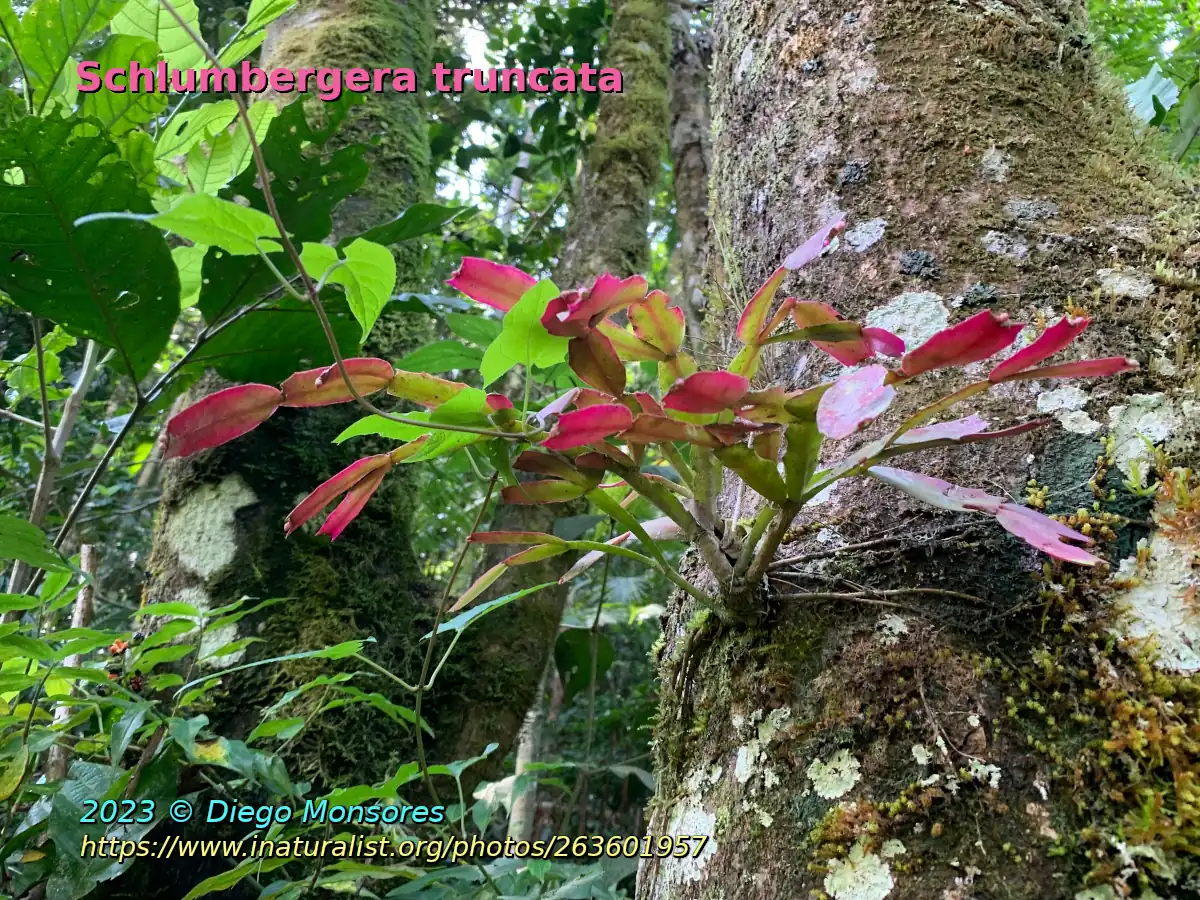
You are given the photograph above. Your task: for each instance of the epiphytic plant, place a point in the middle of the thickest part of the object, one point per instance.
(701, 422)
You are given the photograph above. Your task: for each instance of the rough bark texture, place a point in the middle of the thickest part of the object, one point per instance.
(1030, 742)
(611, 207)
(691, 156)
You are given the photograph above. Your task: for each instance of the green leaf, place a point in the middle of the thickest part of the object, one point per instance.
(416, 220)
(368, 275)
(150, 20)
(120, 112)
(10, 602)
(317, 258)
(441, 356)
(53, 31)
(21, 540)
(203, 219)
(1189, 123)
(13, 772)
(169, 608)
(147, 661)
(523, 340)
(573, 657)
(373, 424)
(187, 129)
(167, 632)
(261, 14)
(761, 475)
(231, 151)
(189, 261)
(476, 329)
(460, 622)
(125, 728)
(800, 457)
(280, 729)
(113, 282)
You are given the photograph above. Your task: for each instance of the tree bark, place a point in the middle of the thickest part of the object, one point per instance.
(1011, 739)
(691, 156)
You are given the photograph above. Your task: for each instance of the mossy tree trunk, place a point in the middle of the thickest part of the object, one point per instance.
(1022, 739)
(691, 155)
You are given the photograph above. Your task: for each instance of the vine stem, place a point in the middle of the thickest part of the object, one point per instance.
(437, 622)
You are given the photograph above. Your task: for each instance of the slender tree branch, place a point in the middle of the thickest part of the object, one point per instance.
(9, 414)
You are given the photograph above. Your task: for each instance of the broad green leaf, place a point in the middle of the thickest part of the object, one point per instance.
(167, 632)
(476, 329)
(21, 540)
(10, 602)
(149, 19)
(53, 31)
(119, 112)
(280, 729)
(231, 151)
(416, 220)
(114, 281)
(204, 219)
(761, 475)
(125, 728)
(800, 457)
(441, 356)
(523, 341)
(573, 658)
(317, 258)
(229, 879)
(1189, 123)
(169, 608)
(187, 129)
(190, 263)
(161, 655)
(368, 275)
(13, 772)
(261, 14)
(378, 425)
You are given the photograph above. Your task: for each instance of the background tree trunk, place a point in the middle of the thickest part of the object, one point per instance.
(927, 746)
(691, 155)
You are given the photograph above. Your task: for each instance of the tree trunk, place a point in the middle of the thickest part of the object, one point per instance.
(1024, 738)
(691, 156)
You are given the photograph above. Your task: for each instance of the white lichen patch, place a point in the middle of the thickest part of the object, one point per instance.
(865, 235)
(213, 640)
(860, 876)
(862, 79)
(985, 772)
(1041, 818)
(745, 61)
(914, 316)
(891, 628)
(834, 777)
(1143, 418)
(751, 754)
(893, 848)
(689, 818)
(1067, 404)
(201, 532)
(1002, 244)
(1157, 604)
(1126, 283)
(994, 165)
(921, 754)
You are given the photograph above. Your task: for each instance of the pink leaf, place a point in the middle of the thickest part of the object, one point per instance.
(855, 399)
(497, 402)
(595, 361)
(586, 426)
(956, 428)
(650, 429)
(220, 417)
(706, 392)
(575, 313)
(544, 464)
(937, 492)
(352, 504)
(323, 386)
(339, 484)
(808, 313)
(815, 245)
(649, 404)
(1083, 368)
(734, 432)
(657, 323)
(1049, 342)
(755, 315)
(884, 342)
(984, 334)
(1045, 534)
(491, 284)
